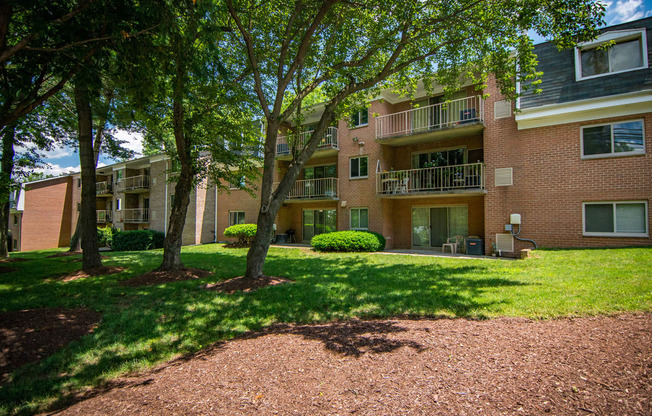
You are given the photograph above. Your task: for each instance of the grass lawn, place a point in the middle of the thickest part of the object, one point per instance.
(144, 326)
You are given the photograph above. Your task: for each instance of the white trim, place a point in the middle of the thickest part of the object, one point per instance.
(360, 176)
(612, 153)
(360, 118)
(615, 233)
(350, 216)
(618, 36)
(244, 215)
(585, 110)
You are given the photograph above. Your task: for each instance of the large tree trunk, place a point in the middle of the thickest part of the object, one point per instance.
(91, 253)
(5, 187)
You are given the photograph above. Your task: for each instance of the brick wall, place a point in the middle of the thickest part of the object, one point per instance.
(47, 215)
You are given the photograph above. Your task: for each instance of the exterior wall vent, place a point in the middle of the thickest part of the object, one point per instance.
(503, 177)
(502, 109)
(505, 242)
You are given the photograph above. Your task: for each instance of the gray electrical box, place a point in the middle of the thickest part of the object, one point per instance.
(509, 227)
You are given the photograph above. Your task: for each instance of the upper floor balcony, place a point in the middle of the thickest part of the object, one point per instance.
(103, 188)
(456, 118)
(313, 190)
(103, 216)
(443, 180)
(133, 215)
(327, 147)
(134, 184)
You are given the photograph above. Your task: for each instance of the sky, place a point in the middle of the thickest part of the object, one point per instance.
(64, 160)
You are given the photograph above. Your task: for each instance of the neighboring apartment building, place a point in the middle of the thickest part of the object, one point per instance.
(574, 162)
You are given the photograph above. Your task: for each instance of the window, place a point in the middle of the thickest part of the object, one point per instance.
(15, 245)
(627, 54)
(359, 167)
(118, 204)
(359, 218)
(237, 185)
(360, 117)
(15, 219)
(78, 183)
(614, 139)
(171, 201)
(236, 217)
(450, 157)
(617, 219)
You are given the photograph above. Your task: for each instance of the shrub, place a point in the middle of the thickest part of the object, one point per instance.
(105, 236)
(137, 240)
(245, 233)
(349, 241)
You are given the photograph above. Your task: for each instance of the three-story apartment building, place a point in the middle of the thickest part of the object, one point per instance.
(573, 162)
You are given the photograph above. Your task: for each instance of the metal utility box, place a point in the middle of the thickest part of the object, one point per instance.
(474, 246)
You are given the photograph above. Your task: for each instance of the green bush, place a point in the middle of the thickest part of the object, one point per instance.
(105, 236)
(137, 240)
(349, 241)
(245, 233)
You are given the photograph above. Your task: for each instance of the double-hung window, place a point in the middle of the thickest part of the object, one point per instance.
(611, 53)
(236, 217)
(238, 184)
(360, 118)
(614, 139)
(359, 218)
(616, 219)
(359, 167)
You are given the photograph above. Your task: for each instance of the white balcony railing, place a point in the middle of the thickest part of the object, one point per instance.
(103, 216)
(134, 215)
(133, 183)
(103, 188)
(436, 179)
(431, 117)
(284, 144)
(325, 188)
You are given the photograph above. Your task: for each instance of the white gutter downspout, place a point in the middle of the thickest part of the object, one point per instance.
(165, 214)
(215, 240)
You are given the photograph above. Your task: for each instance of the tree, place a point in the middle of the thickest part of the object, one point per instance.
(346, 50)
(191, 105)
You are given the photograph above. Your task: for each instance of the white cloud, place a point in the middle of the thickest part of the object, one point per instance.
(133, 141)
(624, 11)
(58, 170)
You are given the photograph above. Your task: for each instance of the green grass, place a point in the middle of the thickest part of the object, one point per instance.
(145, 326)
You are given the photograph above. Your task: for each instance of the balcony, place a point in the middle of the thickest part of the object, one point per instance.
(327, 146)
(103, 188)
(457, 118)
(134, 184)
(465, 179)
(134, 216)
(314, 190)
(103, 216)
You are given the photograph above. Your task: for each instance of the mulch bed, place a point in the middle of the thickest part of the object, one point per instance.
(65, 254)
(237, 244)
(246, 285)
(98, 271)
(13, 260)
(418, 367)
(157, 277)
(30, 335)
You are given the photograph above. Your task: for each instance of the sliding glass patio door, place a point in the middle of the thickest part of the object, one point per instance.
(431, 227)
(318, 221)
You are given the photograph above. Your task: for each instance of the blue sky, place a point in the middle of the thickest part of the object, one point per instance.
(63, 160)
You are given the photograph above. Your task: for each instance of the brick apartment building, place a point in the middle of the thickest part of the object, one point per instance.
(574, 162)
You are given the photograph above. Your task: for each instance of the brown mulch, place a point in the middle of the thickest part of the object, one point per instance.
(237, 244)
(13, 260)
(421, 367)
(157, 277)
(65, 254)
(98, 271)
(30, 335)
(246, 285)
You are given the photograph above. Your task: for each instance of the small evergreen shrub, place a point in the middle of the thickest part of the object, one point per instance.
(348, 241)
(105, 236)
(137, 240)
(245, 233)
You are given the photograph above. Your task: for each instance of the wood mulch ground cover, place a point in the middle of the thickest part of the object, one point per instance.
(13, 260)
(506, 366)
(98, 271)
(27, 336)
(157, 277)
(235, 284)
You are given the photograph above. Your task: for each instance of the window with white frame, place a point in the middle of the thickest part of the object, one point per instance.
(617, 219)
(360, 117)
(236, 217)
(611, 53)
(359, 167)
(118, 204)
(613, 139)
(359, 219)
(237, 185)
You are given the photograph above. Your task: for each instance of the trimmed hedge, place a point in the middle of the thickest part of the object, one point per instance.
(105, 236)
(349, 241)
(137, 240)
(245, 233)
